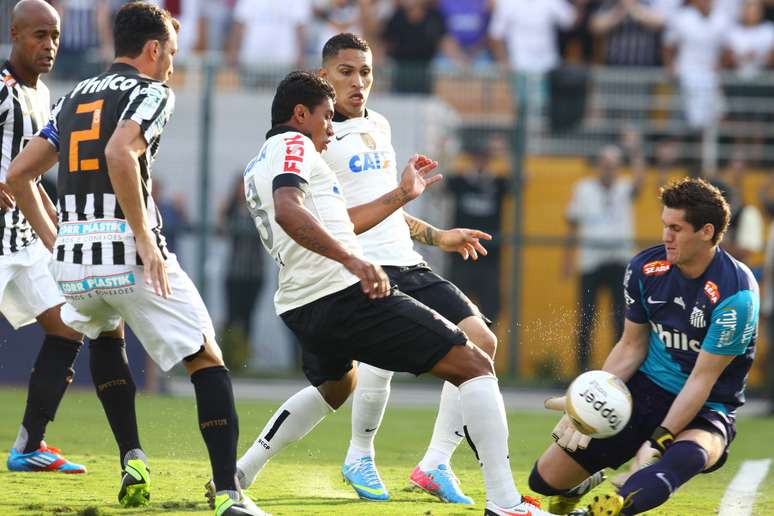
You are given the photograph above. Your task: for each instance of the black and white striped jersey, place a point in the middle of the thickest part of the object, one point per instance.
(23, 112)
(92, 227)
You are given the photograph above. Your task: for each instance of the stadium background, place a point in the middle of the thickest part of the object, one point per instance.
(541, 143)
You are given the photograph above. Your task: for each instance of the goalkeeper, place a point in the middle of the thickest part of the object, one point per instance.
(687, 347)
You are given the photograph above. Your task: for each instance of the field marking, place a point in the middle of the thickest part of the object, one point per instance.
(739, 497)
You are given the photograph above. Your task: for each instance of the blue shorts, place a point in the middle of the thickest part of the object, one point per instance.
(651, 404)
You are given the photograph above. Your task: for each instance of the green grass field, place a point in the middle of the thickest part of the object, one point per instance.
(305, 479)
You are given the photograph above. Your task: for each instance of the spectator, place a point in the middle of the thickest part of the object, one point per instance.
(601, 234)
(465, 43)
(478, 197)
(244, 269)
(577, 44)
(412, 38)
(86, 42)
(335, 16)
(767, 297)
(632, 30)
(744, 236)
(268, 39)
(524, 40)
(693, 42)
(172, 210)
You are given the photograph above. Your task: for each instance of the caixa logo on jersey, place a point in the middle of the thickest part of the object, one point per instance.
(674, 339)
(369, 161)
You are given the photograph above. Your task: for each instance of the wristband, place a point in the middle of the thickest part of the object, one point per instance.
(661, 439)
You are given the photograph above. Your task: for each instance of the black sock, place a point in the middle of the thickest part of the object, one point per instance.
(218, 422)
(51, 374)
(116, 390)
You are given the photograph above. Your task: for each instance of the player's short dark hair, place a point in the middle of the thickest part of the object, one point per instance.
(137, 23)
(343, 41)
(703, 204)
(296, 88)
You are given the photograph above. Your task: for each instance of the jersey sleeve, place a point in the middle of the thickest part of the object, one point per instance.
(5, 103)
(632, 285)
(51, 130)
(150, 106)
(734, 323)
(291, 159)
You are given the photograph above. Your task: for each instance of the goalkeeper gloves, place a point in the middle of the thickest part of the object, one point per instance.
(661, 439)
(565, 433)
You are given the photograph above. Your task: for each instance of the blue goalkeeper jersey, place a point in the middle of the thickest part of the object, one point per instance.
(716, 312)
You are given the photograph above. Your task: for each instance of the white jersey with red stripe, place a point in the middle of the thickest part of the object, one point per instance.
(289, 158)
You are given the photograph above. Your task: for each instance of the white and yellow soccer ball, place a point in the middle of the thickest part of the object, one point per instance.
(599, 404)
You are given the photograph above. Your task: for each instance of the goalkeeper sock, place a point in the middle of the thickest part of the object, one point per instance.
(291, 422)
(218, 423)
(368, 404)
(116, 390)
(51, 374)
(486, 428)
(652, 486)
(447, 432)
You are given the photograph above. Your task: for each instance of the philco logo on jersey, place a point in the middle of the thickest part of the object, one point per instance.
(674, 339)
(369, 161)
(96, 84)
(712, 292)
(294, 153)
(657, 268)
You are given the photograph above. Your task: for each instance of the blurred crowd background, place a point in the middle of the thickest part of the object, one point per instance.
(555, 122)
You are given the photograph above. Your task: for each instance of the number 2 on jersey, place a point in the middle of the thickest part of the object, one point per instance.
(76, 137)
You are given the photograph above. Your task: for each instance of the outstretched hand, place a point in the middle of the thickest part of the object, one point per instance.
(415, 177)
(7, 201)
(466, 242)
(566, 435)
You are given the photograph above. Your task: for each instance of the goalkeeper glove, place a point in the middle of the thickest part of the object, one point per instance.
(661, 439)
(565, 433)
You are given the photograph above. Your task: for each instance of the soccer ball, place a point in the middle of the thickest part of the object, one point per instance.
(599, 404)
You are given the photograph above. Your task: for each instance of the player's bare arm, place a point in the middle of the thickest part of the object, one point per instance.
(126, 145)
(36, 158)
(6, 197)
(630, 351)
(300, 225)
(696, 390)
(466, 242)
(414, 180)
(49, 205)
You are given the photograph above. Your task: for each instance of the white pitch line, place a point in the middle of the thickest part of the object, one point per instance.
(740, 494)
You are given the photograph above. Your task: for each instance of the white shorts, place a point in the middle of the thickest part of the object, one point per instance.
(26, 286)
(99, 296)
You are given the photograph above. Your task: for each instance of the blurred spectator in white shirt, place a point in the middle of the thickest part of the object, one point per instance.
(268, 38)
(632, 30)
(750, 42)
(693, 42)
(335, 16)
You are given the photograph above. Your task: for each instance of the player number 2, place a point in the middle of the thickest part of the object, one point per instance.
(260, 216)
(76, 137)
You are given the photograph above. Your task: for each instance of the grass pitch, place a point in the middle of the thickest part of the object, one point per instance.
(305, 479)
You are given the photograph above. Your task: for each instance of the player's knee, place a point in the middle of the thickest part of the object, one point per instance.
(538, 484)
(335, 393)
(52, 324)
(487, 342)
(472, 363)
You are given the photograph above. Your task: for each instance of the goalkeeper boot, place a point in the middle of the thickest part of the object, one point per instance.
(365, 480)
(528, 507)
(606, 505)
(135, 480)
(236, 503)
(42, 459)
(440, 482)
(563, 504)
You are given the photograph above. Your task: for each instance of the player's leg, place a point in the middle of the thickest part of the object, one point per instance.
(560, 477)
(694, 450)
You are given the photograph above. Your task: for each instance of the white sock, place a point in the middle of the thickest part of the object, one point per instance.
(368, 403)
(447, 432)
(292, 421)
(483, 413)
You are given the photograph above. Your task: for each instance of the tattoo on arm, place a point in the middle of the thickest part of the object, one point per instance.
(400, 198)
(305, 236)
(421, 231)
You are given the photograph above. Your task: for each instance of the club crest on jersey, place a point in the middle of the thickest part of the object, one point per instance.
(369, 141)
(712, 292)
(9, 81)
(657, 268)
(697, 318)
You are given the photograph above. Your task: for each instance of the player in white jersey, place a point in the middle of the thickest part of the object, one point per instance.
(363, 158)
(27, 290)
(341, 306)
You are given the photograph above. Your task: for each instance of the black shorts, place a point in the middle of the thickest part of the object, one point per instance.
(427, 287)
(651, 404)
(396, 333)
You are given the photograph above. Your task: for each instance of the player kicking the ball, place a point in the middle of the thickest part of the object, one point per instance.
(111, 260)
(341, 307)
(688, 344)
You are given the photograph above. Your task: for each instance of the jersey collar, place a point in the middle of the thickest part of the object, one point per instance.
(338, 117)
(123, 67)
(7, 66)
(279, 129)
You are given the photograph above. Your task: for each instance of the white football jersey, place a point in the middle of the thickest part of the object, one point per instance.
(362, 156)
(304, 276)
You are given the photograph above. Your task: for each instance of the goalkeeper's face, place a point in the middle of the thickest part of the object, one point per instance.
(351, 74)
(684, 244)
